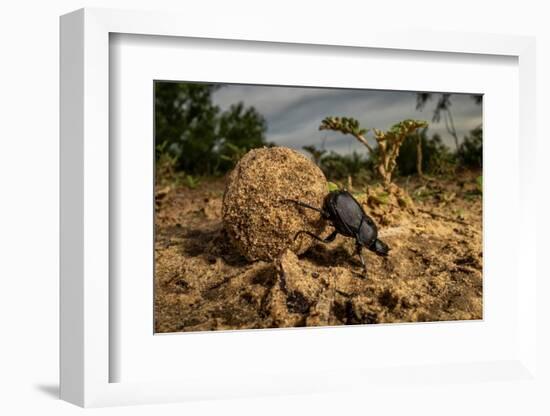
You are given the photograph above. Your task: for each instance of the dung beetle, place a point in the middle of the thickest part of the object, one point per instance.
(348, 218)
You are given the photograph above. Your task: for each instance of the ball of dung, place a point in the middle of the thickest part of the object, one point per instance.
(257, 213)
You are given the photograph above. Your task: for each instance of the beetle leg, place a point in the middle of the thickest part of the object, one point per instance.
(331, 237)
(328, 239)
(359, 251)
(303, 204)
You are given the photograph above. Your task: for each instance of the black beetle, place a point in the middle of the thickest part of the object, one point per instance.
(349, 219)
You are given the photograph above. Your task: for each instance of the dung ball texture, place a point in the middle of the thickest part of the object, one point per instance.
(256, 214)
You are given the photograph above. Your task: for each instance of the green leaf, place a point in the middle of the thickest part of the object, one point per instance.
(479, 183)
(332, 187)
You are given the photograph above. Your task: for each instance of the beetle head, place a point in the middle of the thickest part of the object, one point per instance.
(379, 247)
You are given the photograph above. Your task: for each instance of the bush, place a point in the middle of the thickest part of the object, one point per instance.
(470, 152)
(193, 136)
(337, 167)
(437, 159)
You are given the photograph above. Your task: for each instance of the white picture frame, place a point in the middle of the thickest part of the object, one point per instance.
(86, 334)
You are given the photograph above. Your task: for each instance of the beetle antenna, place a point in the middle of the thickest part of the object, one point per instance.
(303, 204)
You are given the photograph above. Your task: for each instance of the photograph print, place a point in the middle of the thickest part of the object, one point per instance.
(287, 206)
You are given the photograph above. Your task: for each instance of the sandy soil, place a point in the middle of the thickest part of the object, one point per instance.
(433, 272)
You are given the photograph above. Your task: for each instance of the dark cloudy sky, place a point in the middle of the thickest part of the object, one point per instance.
(294, 114)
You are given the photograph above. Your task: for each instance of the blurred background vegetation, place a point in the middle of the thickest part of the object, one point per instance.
(195, 139)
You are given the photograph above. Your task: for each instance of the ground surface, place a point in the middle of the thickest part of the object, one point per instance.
(433, 272)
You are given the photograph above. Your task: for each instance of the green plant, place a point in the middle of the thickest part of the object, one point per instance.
(233, 153)
(388, 143)
(332, 186)
(479, 184)
(166, 167)
(196, 133)
(470, 151)
(192, 181)
(339, 167)
(436, 159)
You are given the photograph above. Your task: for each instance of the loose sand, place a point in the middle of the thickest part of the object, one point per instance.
(433, 272)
